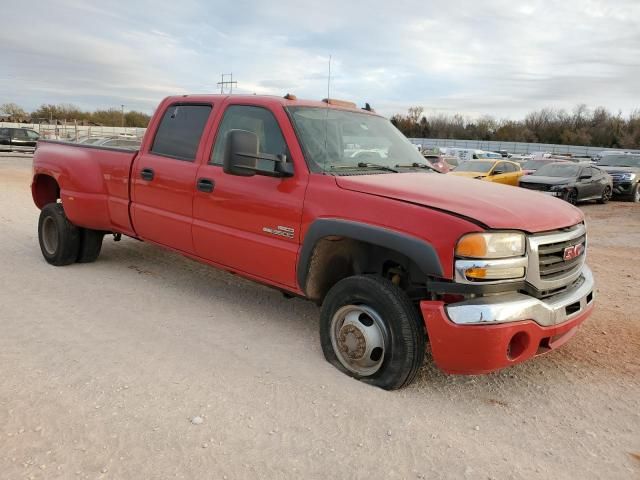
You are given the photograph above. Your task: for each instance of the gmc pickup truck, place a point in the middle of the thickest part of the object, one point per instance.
(330, 202)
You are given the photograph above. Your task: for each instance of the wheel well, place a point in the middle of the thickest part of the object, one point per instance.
(45, 190)
(336, 257)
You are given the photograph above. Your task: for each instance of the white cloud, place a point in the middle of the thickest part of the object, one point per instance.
(495, 57)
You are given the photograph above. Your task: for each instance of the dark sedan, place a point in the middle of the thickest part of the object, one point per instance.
(573, 182)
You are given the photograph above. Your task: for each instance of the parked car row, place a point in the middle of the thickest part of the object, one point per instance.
(118, 141)
(612, 176)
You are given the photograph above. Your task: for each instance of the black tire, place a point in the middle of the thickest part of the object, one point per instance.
(571, 196)
(59, 238)
(90, 245)
(635, 194)
(404, 339)
(606, 195)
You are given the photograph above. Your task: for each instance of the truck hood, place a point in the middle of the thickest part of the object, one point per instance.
(490, 204)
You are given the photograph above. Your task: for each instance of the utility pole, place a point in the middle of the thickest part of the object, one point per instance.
(122, 115)
(224, 83)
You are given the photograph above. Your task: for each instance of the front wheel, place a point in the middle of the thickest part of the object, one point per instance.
(635, 193)
(59, 238)
(370, 330)
(606, 195)
(571, 196)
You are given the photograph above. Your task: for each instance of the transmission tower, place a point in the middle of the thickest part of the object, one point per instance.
(227, 83)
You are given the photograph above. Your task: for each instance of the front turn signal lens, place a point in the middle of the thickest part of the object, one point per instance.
(494, 273)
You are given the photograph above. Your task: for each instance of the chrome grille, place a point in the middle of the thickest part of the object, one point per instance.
(617, 177)
(551, 258)
(547, 268)
(536, 186)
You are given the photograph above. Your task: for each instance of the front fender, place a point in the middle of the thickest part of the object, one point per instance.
(422, 253)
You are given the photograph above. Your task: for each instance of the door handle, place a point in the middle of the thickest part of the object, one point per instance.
(205, 185)
(147, 174)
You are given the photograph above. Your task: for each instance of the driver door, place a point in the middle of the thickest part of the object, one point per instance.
(251, 224)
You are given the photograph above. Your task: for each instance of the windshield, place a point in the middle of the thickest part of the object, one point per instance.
(475, 166)
(340, 139)
(488, 155)
(620, 161)
(534, 164)
(558, 170)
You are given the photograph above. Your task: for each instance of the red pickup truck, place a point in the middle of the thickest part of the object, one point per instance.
(329, 202)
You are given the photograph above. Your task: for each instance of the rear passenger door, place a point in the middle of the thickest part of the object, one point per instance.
(598, 181)
(163, 177)
(20, 140)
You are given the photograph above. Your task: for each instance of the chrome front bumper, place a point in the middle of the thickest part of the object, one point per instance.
(514, 307)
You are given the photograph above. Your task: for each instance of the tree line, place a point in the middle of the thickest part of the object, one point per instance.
(581, 126)
(69, 113)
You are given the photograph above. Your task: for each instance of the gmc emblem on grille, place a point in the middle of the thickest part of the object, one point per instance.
(574, 251)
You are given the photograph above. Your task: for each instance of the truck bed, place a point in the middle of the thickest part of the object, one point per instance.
(101, 202)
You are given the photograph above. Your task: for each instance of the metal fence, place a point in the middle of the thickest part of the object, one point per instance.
(71, 131)
(513, 147)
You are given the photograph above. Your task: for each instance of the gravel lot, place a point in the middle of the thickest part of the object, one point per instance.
(103, 367)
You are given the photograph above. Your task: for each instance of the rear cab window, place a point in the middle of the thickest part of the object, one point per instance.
(178, 135)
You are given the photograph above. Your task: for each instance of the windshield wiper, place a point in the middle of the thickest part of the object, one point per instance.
(364, 165)
(419, 165)
(376, 166)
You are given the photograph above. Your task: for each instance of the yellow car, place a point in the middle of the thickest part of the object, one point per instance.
(497, 171)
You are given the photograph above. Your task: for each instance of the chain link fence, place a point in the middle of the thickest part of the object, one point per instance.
(72, 132)
(514, 147)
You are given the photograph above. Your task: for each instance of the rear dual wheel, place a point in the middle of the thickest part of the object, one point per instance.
(61, 242)
(370, 330)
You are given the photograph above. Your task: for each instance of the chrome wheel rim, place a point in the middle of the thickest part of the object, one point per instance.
(49, 236)
(359, 339)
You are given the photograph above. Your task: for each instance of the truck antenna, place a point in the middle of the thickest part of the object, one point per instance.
(326, 117)
(329, 80)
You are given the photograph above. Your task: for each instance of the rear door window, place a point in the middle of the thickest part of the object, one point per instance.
(20, 134)
(180, 130)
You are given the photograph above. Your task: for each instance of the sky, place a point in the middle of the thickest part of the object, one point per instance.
(495, 57)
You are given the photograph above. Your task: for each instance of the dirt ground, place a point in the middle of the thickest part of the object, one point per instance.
(103, 366)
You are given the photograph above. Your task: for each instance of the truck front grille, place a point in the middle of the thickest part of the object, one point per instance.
(551, 258)
(536, 186)
(548, 270)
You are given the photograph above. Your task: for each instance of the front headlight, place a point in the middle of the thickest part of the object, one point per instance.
(629, 176)
(557, 188)
(482, 257)
(491, 245)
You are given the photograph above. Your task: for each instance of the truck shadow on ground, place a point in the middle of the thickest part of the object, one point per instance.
(271, 310)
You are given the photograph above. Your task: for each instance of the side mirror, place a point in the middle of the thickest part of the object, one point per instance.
(497, 172)
(584, 177)
(241, 157)
(240, 153)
